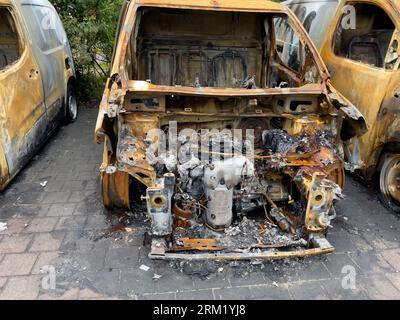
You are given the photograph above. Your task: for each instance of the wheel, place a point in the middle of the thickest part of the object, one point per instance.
(389, 182)
(338, 176)
(71, 104)
(115, 190)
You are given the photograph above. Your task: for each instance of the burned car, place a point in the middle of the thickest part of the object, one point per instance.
(359, 42)
(37, 81)
(228, 135)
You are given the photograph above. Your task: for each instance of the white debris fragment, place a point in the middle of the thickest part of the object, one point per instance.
(157, 276)
(220, 270)
(44, 183)
(275, 284)
(144, 268)
(3, 226)
(346, 219)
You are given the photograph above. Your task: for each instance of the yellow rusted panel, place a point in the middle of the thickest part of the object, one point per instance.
(21, 106)
(371, 89)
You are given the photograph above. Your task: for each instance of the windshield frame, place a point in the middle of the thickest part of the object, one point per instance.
(129, 23)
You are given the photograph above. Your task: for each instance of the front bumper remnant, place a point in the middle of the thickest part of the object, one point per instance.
(320, 246)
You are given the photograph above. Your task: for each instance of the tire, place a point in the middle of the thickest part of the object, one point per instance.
(389, 182)
(71, 112)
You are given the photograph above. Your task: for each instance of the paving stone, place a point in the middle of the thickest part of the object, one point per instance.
(96, 223)
(92, 207)
(87, 294)
(71, 294)
(41, 225)
(31, 210)
(336, 291)
(393, 258)
(137, 282)
(56, 197)
(71, 223)
(21, 288)
(17, 264)
(53, 186)
(173, 282)
(105, 281)
(15, 244)
(337, 261)
(91, 260)
(2, 282)
(371, 263)
(270, 292)
(236, 278)
(238, 293)
(74, 185)
(378, 287)
(212, 281)
(310, 290)
(16, 225)
(122, 258)
(47, 241)
(30, 198)
(76, 240)
(161, 296)
(346, 242)
(62, 210)
(77, 196)
(195, 295)
(45, 259)
(311, 269)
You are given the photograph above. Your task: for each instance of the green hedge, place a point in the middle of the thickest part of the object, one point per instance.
(90, 25)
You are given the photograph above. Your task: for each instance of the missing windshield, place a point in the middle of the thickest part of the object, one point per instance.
(190, 48)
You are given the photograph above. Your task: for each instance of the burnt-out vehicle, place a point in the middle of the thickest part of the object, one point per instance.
(359, 42)
(228, 135)
(37, 81)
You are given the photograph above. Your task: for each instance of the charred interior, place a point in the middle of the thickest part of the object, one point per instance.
(218, 49)
(224, 134)
(368, 41)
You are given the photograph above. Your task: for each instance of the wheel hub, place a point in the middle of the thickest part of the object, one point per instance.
(394, 181)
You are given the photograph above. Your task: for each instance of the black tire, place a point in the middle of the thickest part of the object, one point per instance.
(71, 112)
(388, 185)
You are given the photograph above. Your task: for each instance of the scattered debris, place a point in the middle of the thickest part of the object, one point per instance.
(157, 276)
(275, 284)
(44, 184)
(3, 226)
(144, 268)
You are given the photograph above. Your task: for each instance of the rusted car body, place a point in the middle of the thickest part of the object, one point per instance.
(36, 81)
(227, 134)
(360, 48)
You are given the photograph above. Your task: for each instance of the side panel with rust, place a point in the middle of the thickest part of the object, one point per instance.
(22, 121)
(371, 89)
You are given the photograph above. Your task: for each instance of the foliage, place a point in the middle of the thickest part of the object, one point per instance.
(90, 26)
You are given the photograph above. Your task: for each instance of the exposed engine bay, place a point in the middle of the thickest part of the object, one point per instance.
(234, 183)
(220, 191)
